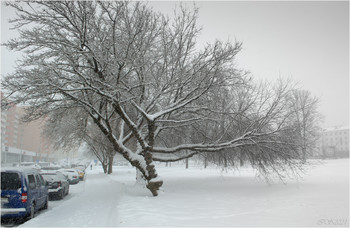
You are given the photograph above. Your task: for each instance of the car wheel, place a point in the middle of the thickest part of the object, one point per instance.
(61, 194)
(46, 205)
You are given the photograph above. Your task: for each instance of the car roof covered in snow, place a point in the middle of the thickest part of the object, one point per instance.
(51, 177)
(67, 170)
(19, 169)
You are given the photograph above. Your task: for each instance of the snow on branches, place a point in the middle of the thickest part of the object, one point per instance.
(141, 81)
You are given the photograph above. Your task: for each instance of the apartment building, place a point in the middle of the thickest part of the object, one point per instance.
(9, 127)
(334, 142)
(22, 142)
(3, 128)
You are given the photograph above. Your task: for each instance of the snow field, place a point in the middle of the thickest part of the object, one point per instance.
(203, 198)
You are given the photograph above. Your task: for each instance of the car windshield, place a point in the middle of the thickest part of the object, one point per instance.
(10, 181)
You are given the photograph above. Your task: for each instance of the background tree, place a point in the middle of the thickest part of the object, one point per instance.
(142, 82)
(73, 127)
(306, 120)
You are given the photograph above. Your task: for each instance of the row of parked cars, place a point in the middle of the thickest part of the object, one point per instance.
(25, 190)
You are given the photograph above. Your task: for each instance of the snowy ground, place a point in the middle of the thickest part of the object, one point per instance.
(203, 198)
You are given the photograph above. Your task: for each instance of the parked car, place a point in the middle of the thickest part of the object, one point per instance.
(49, 164)
(23, 192)
(29, 165)
(43, 164)
(81, 171)
(58, 185)
(72, 174)
(49, 168)
(81, 175)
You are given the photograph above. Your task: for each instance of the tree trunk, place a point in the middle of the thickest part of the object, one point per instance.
(142, 161)
(110, 164)
(186, 163)
(104, 166)
(205, 162)
(304, 153)
(140, 179)
(153, 183)
(148, 172)
(241, 162)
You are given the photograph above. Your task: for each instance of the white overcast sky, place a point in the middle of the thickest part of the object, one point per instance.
(307, 41)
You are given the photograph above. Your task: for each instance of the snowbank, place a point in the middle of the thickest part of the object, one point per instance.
(204, 197)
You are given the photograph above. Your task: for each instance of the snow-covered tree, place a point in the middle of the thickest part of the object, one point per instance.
(140, 78)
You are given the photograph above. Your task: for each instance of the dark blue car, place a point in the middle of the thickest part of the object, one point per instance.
(23, 192)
